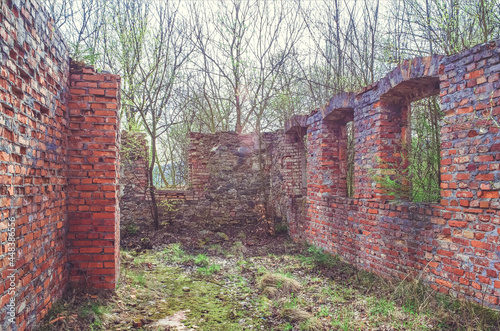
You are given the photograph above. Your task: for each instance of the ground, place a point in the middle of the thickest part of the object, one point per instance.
(280, 285)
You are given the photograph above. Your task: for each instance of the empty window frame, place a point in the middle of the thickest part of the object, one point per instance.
(350, 159)
(424, 150)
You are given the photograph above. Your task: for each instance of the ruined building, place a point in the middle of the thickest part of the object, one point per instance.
(60, 172)
(299, 175)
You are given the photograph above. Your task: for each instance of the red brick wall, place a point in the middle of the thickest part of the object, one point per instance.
(93, 210)
(33, 162)
(454, 243)
(36, 157)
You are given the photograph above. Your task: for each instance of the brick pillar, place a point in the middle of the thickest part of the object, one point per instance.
(198, 165)
(93, 211)
(293, 168)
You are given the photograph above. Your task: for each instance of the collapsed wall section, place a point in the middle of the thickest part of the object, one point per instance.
(226, 195)
(228, 174)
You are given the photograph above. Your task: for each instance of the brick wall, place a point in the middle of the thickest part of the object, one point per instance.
(288, 175)
(93, 191)
(42, 134)
(454, 243)
(134, 202)
(226, 190)
(34, 77)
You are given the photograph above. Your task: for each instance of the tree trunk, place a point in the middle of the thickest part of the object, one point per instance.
(152, 193)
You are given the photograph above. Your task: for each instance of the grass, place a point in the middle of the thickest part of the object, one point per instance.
(317, 257)
(137, 278)
(297, 288)
(201, 259)
(175, 253)
(94, 311)
(276, 285)
(209, 270)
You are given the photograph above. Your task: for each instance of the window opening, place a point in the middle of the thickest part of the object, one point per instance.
(350, 159)
(424, 150)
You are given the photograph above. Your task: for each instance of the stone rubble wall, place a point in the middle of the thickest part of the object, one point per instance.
(226, 191)
(58, 168)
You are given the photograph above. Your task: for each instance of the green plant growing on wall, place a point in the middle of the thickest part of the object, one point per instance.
(84, 55)
(132, 229)
(133, 148)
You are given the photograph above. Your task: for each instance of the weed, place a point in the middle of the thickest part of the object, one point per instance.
(277, 285)
(175, 253)
(381, 307)
(324, 311)
(210, 270)
(344, 320)
(238, 248)
(295, 314)
(201, 259)
(291, 303)
(139, 260)
(281, 228)
(93, 312)
(217, 249)
(263, 306)
(132, 229)
(318, 257)
(311, 324)
(137, 278)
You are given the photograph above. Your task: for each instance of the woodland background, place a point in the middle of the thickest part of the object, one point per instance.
(246, 66)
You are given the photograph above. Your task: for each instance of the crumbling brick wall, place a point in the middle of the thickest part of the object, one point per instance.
(454, 243)
(134, 202)
(288, 176)
(227, 191)
(228, 173)
(58, 168)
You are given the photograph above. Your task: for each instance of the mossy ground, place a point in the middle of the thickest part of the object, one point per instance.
(217, 289)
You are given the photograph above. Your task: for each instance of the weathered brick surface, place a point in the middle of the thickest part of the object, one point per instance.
(34, 76)
(226, 190)
(288, 175)
(93, 174)
(455, 243)
(134, 202)
(37, 119)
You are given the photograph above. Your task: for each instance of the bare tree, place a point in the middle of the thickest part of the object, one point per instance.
(168, 49)
(243, 45)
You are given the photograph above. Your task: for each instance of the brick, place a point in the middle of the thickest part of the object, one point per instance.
(459, 224)
(481, 244)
